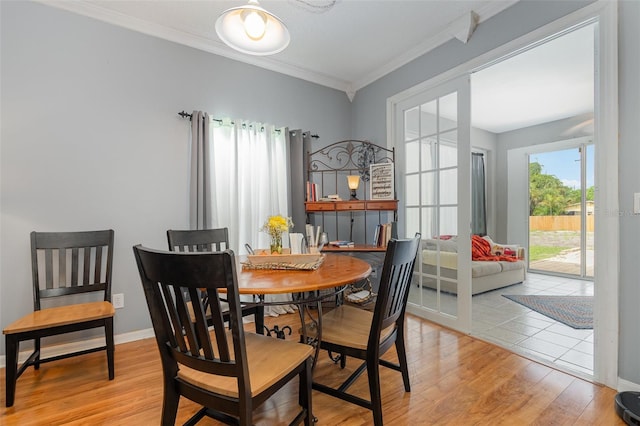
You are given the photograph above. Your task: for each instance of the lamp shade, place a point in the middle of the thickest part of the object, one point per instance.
(252, 30)
(353, 181)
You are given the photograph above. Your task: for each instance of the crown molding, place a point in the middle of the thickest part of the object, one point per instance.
(94, 11)
(483, 13)
(463, 27)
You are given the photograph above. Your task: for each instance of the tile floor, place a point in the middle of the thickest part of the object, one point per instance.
(511, 325)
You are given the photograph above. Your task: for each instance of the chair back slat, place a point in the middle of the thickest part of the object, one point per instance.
(48, 259)
(62, 266)
(98, 266)
(59, 259)
(168, 316)
(184, 322)
(201, 331)
(74, 267)
(172, 281)
(86, 270)
(394, 286)
(217, 319)
(172, 317)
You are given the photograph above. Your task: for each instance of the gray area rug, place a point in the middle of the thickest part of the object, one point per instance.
(574, 311)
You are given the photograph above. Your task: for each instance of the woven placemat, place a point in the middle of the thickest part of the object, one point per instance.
(312, 266)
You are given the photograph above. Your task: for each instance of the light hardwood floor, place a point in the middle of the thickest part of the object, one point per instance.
(455, 380)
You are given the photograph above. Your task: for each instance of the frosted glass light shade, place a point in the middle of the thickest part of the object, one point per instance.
(353, 181)
(252, 30)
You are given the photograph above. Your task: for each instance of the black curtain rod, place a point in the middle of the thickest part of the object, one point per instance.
(185, 114)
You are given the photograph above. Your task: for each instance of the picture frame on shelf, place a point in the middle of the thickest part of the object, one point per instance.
(381, 181)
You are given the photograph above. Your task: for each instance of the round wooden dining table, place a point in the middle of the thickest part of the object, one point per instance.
(335, 271)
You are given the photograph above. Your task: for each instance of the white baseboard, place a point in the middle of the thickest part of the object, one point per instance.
(56, 350)
(625, 385)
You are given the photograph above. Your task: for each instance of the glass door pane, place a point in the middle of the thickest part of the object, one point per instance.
(433, 159)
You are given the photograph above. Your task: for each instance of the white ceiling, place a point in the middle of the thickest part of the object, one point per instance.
(552, 81)
(347, 44)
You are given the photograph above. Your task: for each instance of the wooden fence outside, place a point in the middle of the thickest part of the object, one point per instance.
(558, 223)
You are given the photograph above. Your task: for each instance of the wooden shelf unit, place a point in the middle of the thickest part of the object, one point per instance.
(328, 168)
(351, 205)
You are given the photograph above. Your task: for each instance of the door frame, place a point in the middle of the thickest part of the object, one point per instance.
(606, 262)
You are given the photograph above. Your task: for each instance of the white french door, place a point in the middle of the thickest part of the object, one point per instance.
(432, 138)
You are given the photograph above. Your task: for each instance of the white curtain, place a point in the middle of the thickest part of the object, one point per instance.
(248, 181)
(248, 177)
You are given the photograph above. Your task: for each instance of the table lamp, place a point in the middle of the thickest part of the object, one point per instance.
(353, 181)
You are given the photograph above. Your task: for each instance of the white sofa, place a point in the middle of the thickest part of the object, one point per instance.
(485, 275)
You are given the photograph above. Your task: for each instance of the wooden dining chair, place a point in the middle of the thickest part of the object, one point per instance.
(227, 371)
(217, 239)
(64, 265)
(349, 331)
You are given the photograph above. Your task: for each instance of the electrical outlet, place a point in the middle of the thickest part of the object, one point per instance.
(118, 300)
(374, 273)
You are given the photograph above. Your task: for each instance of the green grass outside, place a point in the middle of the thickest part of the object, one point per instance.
(543, 252)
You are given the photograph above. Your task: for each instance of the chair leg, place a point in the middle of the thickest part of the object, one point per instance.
(108, 330)
(373, 373)
(11, 373)
(169, 405)
(36, 361)
(402, 360)
(245, 412)
(305, 391)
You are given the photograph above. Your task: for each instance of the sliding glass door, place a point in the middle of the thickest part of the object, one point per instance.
(433, 143)
(561, 211)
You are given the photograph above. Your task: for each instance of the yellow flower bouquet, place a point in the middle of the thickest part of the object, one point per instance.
(275, 226)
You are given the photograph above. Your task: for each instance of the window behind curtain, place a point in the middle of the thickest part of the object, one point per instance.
(249, 163)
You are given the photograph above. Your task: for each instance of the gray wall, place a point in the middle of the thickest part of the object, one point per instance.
(629, 182)
(91, 137)
(369, 121)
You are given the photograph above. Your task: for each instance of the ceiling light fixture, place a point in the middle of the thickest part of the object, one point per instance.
(252, 30)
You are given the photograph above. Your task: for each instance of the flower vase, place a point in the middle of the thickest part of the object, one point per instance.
(276, 244)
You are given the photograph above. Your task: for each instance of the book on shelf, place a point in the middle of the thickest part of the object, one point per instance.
(384, 232)
(312, 191)
(331, 198)
(341, 243)
(312, 194)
